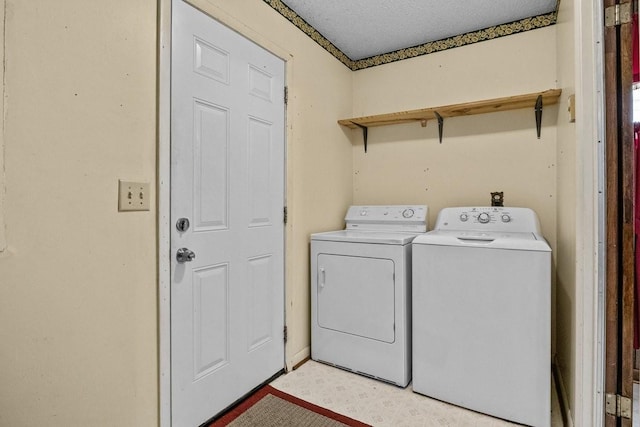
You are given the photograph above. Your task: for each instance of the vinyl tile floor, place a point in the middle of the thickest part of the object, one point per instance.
(380, 404)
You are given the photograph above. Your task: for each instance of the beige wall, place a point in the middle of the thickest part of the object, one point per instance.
(479, 154)
(78, 284)
(567, 199)
(78, 288)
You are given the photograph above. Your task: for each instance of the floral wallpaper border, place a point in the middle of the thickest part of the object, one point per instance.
(496, 31)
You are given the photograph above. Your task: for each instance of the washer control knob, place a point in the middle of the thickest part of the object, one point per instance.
(506, 218)
(464, 217)
(483, 218)
(407, 213)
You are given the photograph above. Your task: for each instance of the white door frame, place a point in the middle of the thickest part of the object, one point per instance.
(164, 181)
(588, 405)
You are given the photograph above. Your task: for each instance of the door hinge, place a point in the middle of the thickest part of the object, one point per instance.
(286, 95)
(284, 333)
(617, 14)
(618, 406)
(285, 214)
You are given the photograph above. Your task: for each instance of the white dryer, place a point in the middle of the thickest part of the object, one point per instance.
(482, 313)
(361, 292)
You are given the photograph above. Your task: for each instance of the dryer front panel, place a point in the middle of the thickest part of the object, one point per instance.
(356, 295)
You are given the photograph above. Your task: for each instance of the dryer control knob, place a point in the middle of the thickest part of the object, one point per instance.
(483, 218)
(506, 218)
(407, 213)
(464, 217)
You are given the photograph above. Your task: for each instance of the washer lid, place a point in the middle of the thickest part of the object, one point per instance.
(357, 236)
(484, 239)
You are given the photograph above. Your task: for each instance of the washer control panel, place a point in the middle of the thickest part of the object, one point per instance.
(388, 217)
(488, 218)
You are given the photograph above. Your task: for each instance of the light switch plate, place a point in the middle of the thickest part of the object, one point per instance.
(133, 196)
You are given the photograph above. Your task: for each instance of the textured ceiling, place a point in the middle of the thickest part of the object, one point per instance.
(368, 28)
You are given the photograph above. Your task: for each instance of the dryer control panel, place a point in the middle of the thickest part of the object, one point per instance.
(410, 218)
(488, 218)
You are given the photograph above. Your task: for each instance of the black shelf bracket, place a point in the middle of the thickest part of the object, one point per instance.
(440, 125)
(538, 110)
(365, 134)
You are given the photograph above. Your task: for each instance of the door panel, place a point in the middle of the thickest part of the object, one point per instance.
(260, 148)
(211, 172)
(259, 307)
(211, 321)
(619, 210)
(227, 178)
(211, 61)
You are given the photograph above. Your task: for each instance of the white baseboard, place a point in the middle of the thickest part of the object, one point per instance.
(298, 358)
(562, 391)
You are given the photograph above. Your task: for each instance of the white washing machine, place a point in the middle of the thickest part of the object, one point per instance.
(482, 313)
(361, 292)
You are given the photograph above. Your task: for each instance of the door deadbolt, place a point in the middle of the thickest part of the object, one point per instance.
(185, 255)
(182, 224)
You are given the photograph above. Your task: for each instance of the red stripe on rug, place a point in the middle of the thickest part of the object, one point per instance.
(266, 390)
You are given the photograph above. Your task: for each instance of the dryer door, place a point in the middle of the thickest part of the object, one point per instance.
(355, 295)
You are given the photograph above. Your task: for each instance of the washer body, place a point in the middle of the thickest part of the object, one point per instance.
(482, 313)
(361, 292)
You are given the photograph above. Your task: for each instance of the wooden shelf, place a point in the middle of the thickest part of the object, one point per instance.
(549, 97)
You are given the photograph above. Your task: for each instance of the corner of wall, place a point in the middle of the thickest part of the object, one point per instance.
(562, 395)
(3, 238)
(567, 200)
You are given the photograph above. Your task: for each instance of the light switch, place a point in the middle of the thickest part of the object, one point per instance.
(133, 196)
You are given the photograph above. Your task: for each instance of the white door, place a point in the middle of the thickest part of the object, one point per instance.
(227, 179)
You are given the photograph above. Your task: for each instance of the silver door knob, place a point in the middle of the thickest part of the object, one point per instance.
(185, 255)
